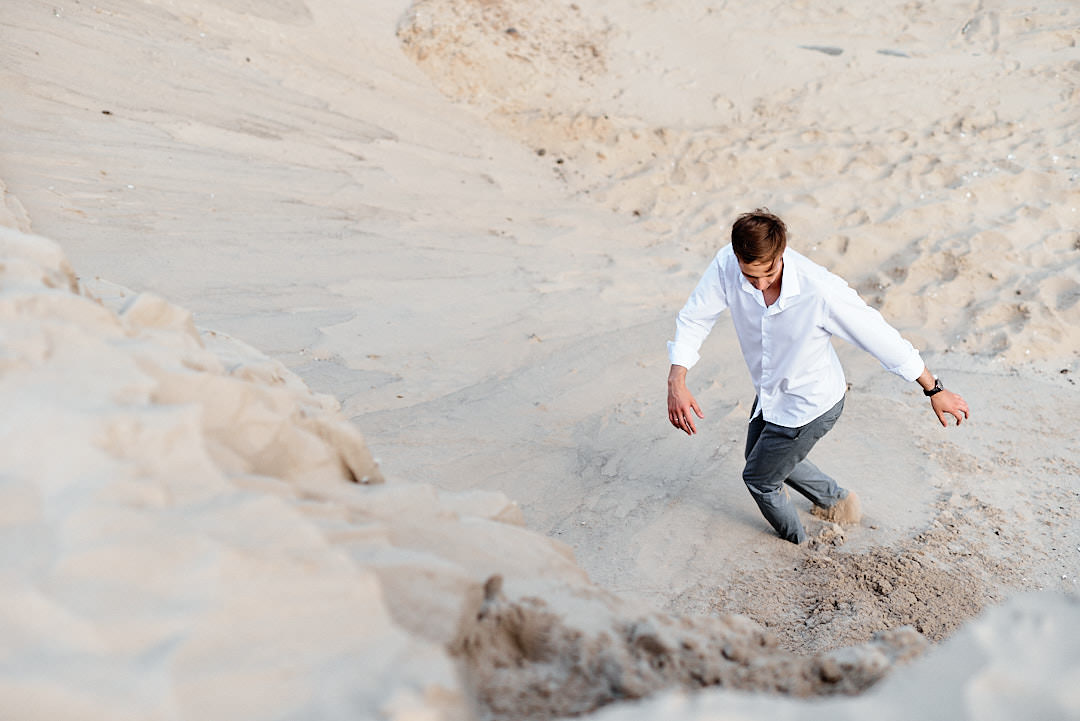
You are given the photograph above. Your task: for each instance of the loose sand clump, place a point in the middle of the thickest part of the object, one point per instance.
(934, 582)
(525, 658)
(847, 511)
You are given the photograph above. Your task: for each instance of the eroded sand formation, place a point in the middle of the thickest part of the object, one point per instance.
(189, 532)
(526, 658)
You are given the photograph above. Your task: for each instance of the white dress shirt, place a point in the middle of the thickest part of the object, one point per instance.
(787, 345)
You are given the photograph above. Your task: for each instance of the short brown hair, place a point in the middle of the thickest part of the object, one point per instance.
(758, 236)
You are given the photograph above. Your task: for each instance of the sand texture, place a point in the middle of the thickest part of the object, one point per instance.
(199, 521)
(332, 359)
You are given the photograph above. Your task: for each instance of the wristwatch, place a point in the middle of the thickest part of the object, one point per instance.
(936, 389)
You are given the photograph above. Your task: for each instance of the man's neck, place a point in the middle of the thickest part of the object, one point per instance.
(772, 293)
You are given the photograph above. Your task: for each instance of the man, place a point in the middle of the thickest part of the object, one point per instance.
(786, 309)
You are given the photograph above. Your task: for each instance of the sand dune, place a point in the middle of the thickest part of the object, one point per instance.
(466, 227)
(965, 128)
(192, 533)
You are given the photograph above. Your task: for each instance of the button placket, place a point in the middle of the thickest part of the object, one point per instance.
(766, 362)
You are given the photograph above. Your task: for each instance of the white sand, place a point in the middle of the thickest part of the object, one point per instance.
(359, 193)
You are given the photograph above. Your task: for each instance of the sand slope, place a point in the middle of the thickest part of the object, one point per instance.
(929, 159)
(360, 193)
(191, 533)
(166, 552)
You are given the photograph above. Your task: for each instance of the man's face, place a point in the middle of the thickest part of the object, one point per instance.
(762, 274)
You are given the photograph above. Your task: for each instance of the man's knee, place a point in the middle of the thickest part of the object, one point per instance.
(769, 476)
(761, 485)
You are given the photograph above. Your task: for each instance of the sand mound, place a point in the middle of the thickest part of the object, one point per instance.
(165, 533)
(989, 670)
(531, 659)
(934, 581)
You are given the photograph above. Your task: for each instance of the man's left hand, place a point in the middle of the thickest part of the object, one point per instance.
(948, 402)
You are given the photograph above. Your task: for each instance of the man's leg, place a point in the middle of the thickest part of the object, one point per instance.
(773, 454)
(808, 479)
(815, 484)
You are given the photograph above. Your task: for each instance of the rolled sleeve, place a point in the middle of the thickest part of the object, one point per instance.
(912, 368)
(682, 355)
(697, 318)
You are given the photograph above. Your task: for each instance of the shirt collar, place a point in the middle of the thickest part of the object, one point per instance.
(791, 286)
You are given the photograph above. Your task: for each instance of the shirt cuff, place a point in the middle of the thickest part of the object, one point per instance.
(910, 369)
(685, 357)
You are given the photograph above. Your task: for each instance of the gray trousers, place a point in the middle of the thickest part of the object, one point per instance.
(776, 455)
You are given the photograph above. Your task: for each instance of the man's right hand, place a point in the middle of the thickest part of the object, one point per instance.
(680, 402)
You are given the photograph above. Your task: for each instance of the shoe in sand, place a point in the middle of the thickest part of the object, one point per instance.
(846, 511)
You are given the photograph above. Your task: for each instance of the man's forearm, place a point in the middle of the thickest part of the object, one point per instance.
(676, 376)
(926, 380)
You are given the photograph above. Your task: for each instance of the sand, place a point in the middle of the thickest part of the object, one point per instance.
(457, 234)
